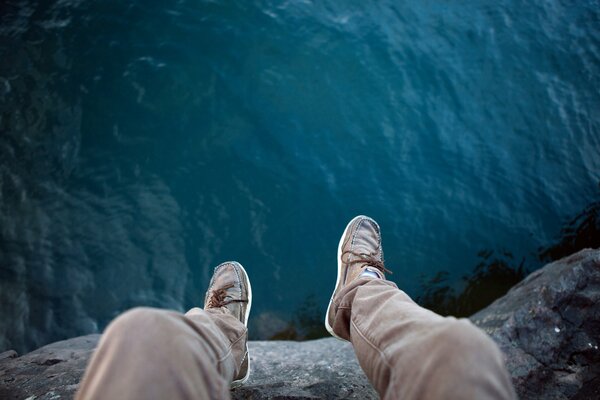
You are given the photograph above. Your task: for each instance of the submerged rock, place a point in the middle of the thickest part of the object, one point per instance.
(548, 326)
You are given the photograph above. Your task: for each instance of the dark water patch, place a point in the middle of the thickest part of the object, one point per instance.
(304, 323)
(583, 231)
(497, 272)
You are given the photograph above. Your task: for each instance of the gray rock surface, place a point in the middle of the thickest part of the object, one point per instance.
(50, 372)
(324, 368)
(548, 327)
(316, 369)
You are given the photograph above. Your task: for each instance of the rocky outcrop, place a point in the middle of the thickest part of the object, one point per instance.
(317, 369)
(548, 326)
(50, 372)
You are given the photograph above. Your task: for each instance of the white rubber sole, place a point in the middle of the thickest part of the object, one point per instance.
(240, 382)
(339, 275)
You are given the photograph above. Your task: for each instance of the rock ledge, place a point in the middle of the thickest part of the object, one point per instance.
(548, 326)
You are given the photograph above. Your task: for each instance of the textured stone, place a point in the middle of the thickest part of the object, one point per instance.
(50, 372)
(8, 354)
(316, 369)
(548, 327)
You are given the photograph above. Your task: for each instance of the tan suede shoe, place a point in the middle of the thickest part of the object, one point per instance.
(359, 251)
(230, 288)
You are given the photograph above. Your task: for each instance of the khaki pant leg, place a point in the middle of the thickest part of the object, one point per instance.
(408, 352)
(156, 354)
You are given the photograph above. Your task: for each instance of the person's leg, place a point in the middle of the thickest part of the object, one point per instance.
(156, 354)
(406, 351)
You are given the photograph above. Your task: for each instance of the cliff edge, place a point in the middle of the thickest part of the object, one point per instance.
(548, 327)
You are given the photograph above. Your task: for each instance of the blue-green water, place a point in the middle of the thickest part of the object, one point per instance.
(144, 142)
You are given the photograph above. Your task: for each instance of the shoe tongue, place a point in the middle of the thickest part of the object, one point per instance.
(357, 271)
(369, 271)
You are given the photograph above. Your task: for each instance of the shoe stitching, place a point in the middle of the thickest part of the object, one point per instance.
(367, 260)
(376, 227)
(356, 229)
(220, 292)
(380, 255)
(343, 281)
(347, 264)
(212, 280)
(241, 283)
(228, 351)
(352, 242)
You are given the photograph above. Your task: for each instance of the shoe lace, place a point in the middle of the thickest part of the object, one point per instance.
(365, 258)
(217, 297)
